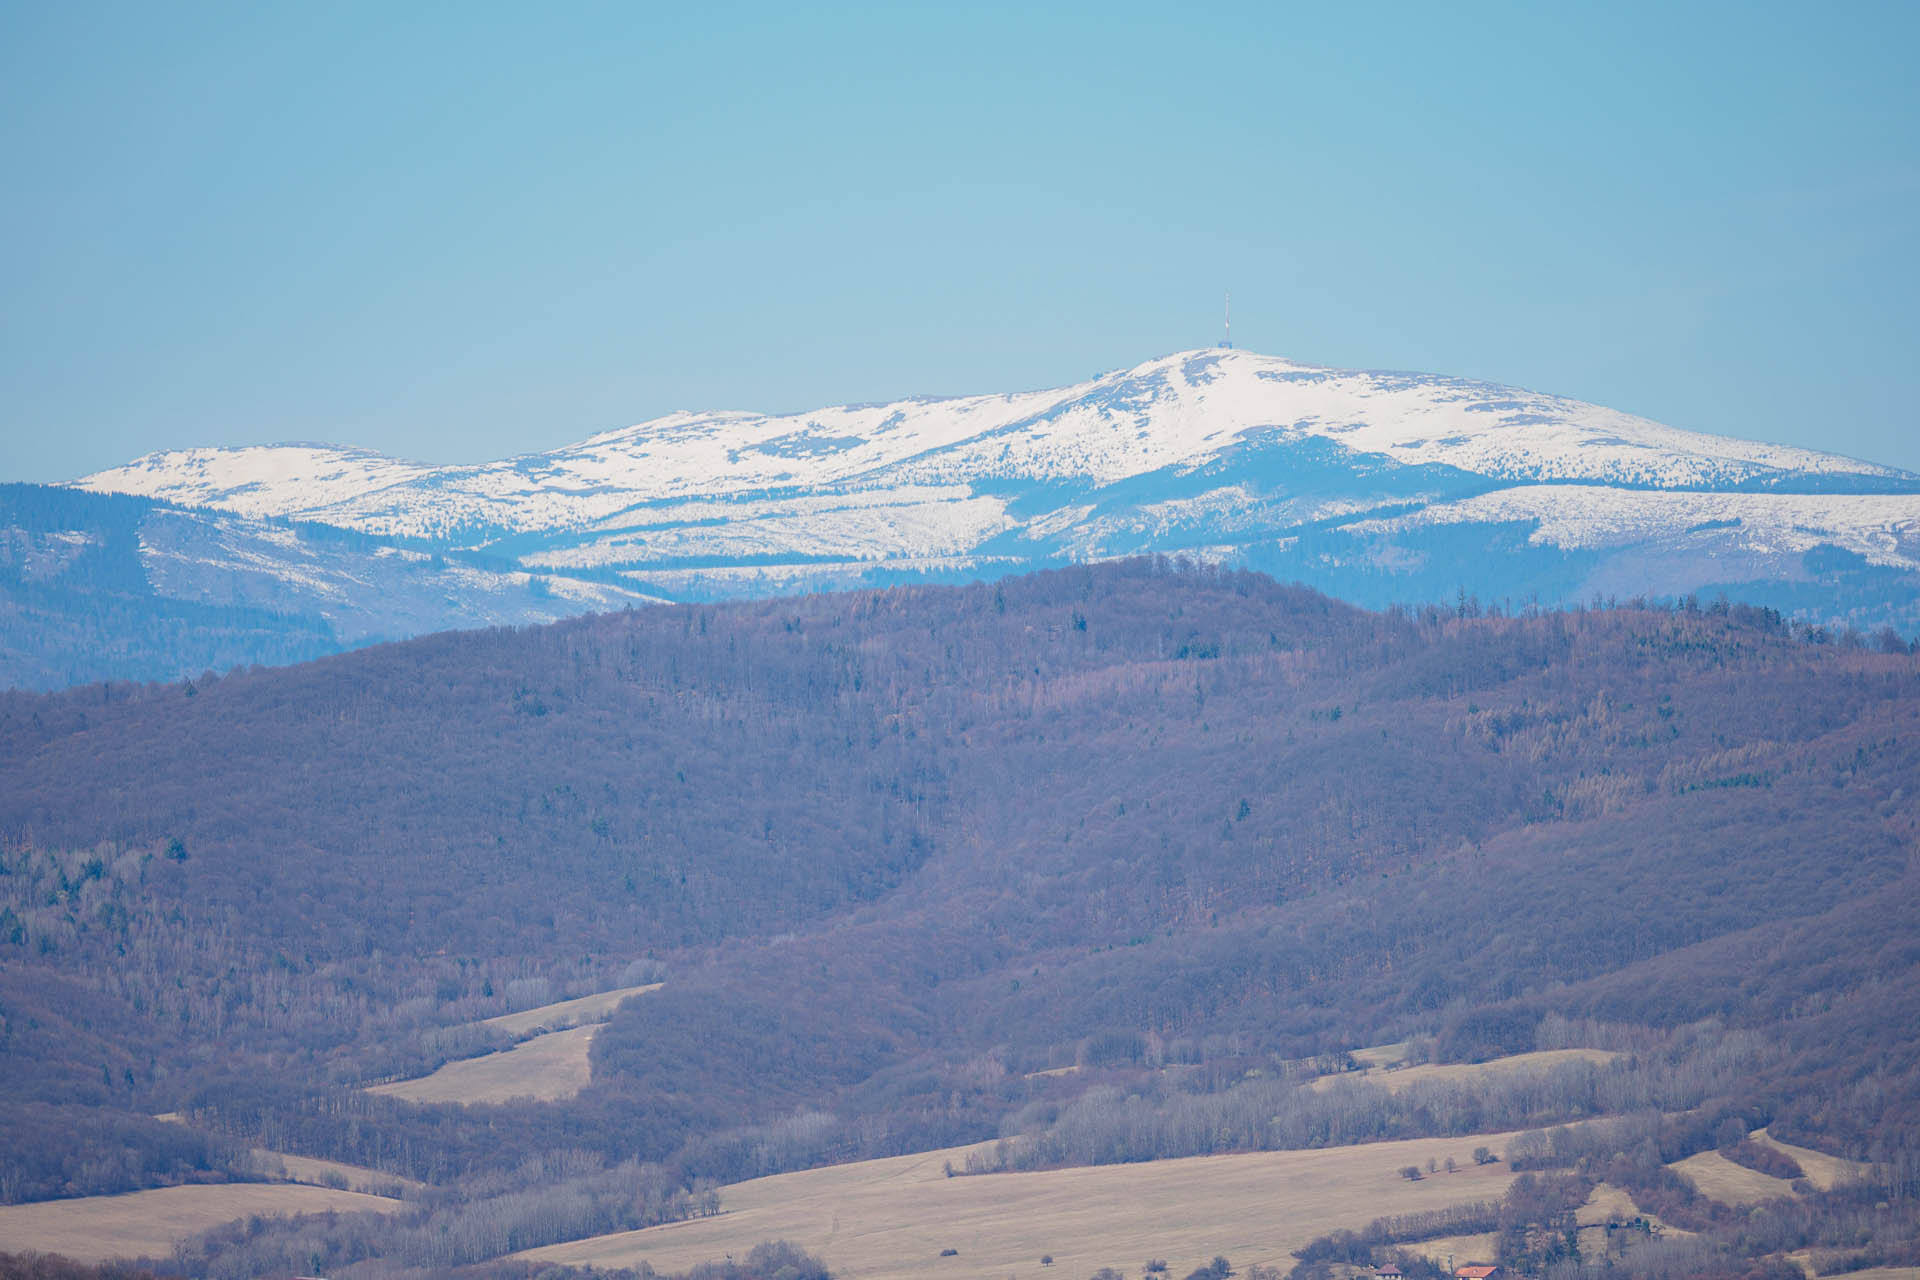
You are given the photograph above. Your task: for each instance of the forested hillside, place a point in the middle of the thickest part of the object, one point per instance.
(898, 851)
(109, 587)
(76, 603)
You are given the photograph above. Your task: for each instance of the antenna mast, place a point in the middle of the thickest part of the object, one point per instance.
(1228, 341)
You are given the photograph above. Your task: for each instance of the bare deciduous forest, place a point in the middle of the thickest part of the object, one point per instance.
(1195, 835)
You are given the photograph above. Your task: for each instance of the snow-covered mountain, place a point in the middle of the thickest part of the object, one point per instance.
(108, 587)
(1375, 485)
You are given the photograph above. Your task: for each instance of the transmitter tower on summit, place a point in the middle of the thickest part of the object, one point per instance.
(1226, 340)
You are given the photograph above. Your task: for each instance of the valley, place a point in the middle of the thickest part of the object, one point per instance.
(895, 1216)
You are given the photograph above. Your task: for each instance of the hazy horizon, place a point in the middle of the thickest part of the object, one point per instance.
(460, 236)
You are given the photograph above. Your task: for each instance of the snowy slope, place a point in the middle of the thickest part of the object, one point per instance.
(97, 587)
(361, 594)
(1882, 529)
(1182, 410)
(1220, 454)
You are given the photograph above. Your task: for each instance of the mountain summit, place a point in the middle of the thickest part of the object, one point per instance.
(1180, 412)
(1376, 486)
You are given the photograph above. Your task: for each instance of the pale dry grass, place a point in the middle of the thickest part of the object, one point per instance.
(1383, 1055)
(892, 1217)
(1719, 1178)
(1608, 1203)
(563, 1014)
(546, 1069)
(1593, 1242)
(327, 1173)
(95, 1228)
(1822, 1170)
(1428, 1072)
(1462, 1251)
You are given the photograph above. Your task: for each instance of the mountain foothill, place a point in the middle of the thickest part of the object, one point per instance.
(1102, 860)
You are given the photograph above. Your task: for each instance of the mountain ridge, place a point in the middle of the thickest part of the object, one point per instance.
(1379, 487)
(116, 587)
(1170, 403)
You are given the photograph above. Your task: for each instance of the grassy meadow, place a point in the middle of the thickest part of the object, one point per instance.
(562, 1014)
(546, 1068)
(95, 1228)
(893, 1217)
(1397, 1078)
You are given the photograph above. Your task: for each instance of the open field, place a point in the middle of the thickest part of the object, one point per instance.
(94, 1228)
(1608, 1203)
(1822, 1170)
(1462, 1250)
(545, 1068)
(1719, 1178)
(562, 1014)
(892, 1217)
(1402, 1077)
(548, 1067)
(1382, 1055)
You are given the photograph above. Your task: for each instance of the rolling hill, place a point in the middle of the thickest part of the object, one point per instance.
(906, 856)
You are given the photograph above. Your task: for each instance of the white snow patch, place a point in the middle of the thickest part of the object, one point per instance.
(1179, 411)
(1884, 528)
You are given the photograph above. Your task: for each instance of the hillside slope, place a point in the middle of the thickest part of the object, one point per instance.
(899, 851)
(106, 587)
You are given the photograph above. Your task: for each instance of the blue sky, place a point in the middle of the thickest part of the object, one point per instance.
(466, 230)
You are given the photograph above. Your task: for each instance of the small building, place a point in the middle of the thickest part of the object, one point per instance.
(1388, 1272)
(1477, 1273)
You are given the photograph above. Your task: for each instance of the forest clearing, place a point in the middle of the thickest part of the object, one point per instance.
(1398, 1078)
(95, 1228)
(1719, 1178)
(545, 1068)
(562, 1014)
(1822, 1170)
